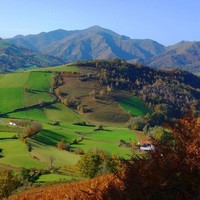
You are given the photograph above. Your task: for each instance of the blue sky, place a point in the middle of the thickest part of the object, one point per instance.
(166, 21)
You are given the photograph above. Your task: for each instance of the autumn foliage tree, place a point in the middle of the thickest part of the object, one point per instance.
(172, 171)
(62, 145)
(186, 133)
(96, 163)
(8, 182)
(32, 129)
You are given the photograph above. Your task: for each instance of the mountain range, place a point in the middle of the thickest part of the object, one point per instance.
(100, 43)
(92, 43)
(184, 55)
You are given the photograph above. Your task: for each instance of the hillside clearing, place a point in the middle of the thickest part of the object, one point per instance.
(135, 106)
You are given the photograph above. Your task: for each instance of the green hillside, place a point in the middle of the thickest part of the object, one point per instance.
(28, 96)
(24, 89)
(12, 92)
(13, 58)
(135, 106)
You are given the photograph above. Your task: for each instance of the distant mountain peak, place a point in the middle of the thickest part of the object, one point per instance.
(95, 27)
(99, 29)
(97, 42)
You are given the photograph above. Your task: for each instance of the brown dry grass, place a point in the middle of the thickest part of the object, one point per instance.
(93, 189)
(105, 110)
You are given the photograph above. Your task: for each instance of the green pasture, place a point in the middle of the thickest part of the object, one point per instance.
(54, 135)
(39, 81)
(112, 135)
(135, 106)
(109, 147)
(7, 134)
(11, 91)
(14, 80)
(43, 145)
(44, 153)
(47, 114)
(60, 112)
(77, 128)
(15, 154)
(108, 140)
(24, 89)
(11, 99)
(36, 97)
(56, 178)
(36, 89)
(60, 68)
(36, 114)
(8, 128)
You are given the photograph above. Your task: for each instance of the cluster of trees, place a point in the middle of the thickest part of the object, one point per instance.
(174, 99)
(69, 101)
(32, 129)
(9, 181)
(63, 145)
(175, 90)
(95, 163)
(56, 80)
(141, 123)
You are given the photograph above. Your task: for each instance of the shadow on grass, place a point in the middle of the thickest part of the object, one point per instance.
(52, 107)
(49, 138)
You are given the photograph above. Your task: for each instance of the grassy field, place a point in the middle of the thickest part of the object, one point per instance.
(108, 140)
(54, 112)
(135, 106)
(11, 90)
(7, 134)
(61, 68)
(15, 153)
(14, 80)
(43, 153)
(39, 81)
(24, 89)
(43, 144)
(59, 112)
(36, 114)
(55, 178)
(36, 89)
